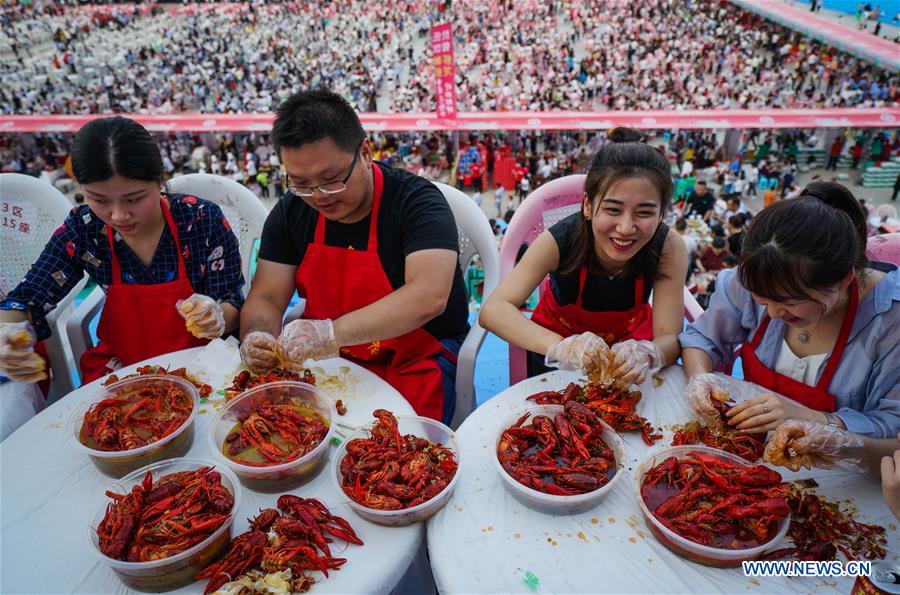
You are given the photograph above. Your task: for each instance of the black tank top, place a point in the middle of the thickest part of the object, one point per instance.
(601, 294)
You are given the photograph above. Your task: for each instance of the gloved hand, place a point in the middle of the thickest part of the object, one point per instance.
(702, 390)
(798, 443)
(578, 353)
(305, 339)
(204, 317)
(634, 360)
(259, 352)
(18, 361)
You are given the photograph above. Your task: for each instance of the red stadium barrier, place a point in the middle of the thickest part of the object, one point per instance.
(887, 117)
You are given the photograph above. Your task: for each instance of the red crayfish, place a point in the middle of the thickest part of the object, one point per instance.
(716, 502)
(820, 528)
(204, 389)
(295, 539)
(159, 519)
(563, 455)
(272, 434)
(135, 418)
(390, 471)
(245, 380)
(613, 404)
(746, 446)
(720, 436)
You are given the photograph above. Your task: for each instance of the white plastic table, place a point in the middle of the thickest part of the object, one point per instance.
(484, 540)
(49, 491)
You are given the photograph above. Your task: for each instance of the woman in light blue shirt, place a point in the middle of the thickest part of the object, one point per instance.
(816, 322)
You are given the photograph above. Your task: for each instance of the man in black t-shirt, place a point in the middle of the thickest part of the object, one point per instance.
(374, 251)
(701, 201)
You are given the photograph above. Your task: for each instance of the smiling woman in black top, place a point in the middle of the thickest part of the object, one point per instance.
(601, 265)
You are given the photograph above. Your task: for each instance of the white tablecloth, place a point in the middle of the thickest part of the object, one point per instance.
(49, 491)
(484, 540)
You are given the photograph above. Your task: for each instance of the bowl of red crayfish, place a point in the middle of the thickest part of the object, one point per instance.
(137, 421)
(558, 459)
(398, 470)
(711, 506)
(160, 525)
(274, 436)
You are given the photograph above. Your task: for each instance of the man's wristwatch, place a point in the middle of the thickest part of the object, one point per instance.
(832, 420)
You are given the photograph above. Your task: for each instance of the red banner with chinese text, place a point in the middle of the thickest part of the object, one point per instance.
(444, 71)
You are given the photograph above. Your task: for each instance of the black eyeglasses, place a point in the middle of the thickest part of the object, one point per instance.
(330, 187)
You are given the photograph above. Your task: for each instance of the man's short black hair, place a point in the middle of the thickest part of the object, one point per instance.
(309, 116)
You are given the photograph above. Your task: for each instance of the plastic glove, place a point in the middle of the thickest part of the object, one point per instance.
(634, 360)
(203, 315)
(702, 390)
(18, 361)
(798, 443)
(305, 339)
(578, 353)
(259, 352)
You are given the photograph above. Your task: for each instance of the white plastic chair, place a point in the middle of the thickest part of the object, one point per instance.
(245, 213)
(43, 209)
(475, 237)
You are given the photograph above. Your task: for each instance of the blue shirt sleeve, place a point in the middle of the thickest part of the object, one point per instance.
(880, 417)
(51, 278)
(726, 324)
(222, 277)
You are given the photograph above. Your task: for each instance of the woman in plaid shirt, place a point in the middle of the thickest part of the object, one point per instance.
(169, 263)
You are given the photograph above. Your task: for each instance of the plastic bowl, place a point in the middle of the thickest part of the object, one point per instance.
(178, 570)
(702, 554)
(120, 462)
(550, 503)
(423, 427)
(273, 478)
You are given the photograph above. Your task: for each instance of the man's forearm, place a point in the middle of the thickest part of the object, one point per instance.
(400, 312)
(260, 314)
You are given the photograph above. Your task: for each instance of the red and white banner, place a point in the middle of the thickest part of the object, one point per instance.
(444, 71)
(647, 120)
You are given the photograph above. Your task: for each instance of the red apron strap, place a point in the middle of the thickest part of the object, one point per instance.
(760, 331)
(378, 184)
(582, 280)
(173, 229)
(835, 358)
(114, 260)
(638, 290)
(378, 188)
(319, 237)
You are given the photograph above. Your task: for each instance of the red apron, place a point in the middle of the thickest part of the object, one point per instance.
(336, 281)
(140, 321)
(815, 397)
(612, 327)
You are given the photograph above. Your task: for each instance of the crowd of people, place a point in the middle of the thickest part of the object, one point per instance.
(526, 55)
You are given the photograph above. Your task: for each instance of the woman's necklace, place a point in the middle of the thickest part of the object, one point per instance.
(616, 274)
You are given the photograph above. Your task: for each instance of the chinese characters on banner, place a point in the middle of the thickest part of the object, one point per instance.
(442, 49)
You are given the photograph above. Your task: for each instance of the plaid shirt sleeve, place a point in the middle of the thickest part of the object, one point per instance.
(51, 278)
(217, 272)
